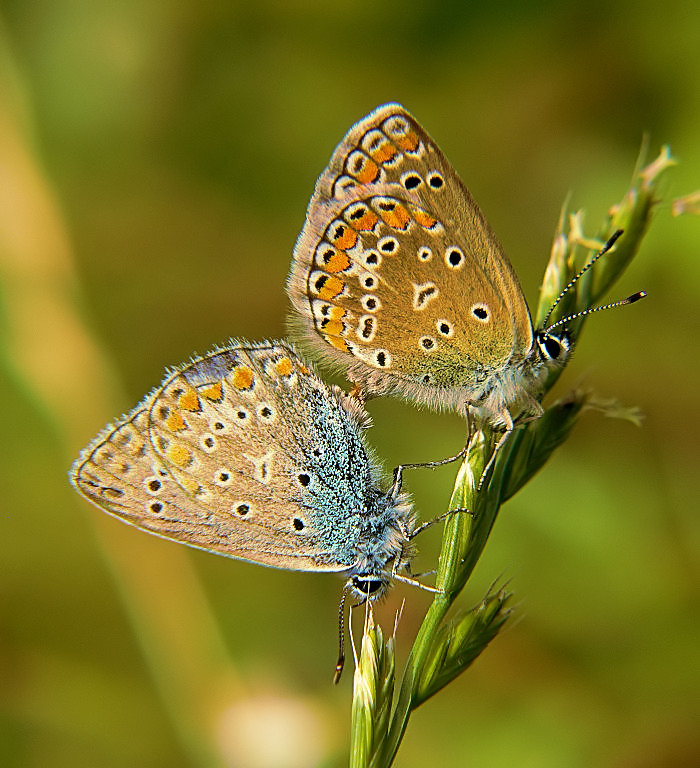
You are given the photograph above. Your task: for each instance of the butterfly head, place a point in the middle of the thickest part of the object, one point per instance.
(552, 348)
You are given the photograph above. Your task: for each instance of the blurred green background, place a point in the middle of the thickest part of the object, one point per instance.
(156, 159)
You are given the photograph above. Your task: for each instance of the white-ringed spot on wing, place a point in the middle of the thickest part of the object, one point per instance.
(218, 426)
(370, 303)
(371, 259)
(480, 312)
(263, 466)
(369, 281)
(388, 245)
(298, 524)
(454, 257)
(266, 413)
(152, 485)
(427, 343)
(424, 254)
(304, 479)
(423, 294)
(411, 180)
(223, 477)
(241, 415)
(208, 443)
(381, 358)
(241, 508)
(343, 184)
(445, 328)
(367, 328)
(155, 507)
(435, 180)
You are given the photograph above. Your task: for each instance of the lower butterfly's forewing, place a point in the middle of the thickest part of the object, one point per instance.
(221, 457)
(397, 270)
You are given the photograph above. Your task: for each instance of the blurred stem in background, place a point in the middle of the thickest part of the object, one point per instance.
(46, 348)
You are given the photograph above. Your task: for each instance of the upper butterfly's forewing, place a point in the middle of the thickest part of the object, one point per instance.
(244, 452)
(398, 271)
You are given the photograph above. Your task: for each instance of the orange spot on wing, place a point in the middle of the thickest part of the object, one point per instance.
(343, 237)
(283, 366)
(337, 342)
(384, 152)
(397, 218)
(179, 455)
(338, 262)
(175, 422)
(366, 222)
(331, 288)
(334, 327)
(337, 313)
(214, 392)
(408, 143)
(189, 401)
(369, 172)
(242, 377)
(424, 219)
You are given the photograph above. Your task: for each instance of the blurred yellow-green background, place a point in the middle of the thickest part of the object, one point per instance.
(156, 159)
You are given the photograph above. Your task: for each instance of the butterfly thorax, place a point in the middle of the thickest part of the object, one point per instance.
(382, 546)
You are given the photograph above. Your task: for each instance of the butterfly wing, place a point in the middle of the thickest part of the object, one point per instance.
(243, 452)
(398, 271)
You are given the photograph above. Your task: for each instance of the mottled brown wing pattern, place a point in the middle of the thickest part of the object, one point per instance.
(398, 271)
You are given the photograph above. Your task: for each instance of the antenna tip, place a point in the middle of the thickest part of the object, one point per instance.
(636, 297)
(339, 669)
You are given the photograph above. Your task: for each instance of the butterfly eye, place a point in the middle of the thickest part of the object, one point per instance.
(552, 347)
(366, 585)
(480, 312)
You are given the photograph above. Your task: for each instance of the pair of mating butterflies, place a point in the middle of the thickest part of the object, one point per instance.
(398, 278)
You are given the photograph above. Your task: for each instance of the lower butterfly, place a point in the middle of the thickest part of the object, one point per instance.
(245, 452)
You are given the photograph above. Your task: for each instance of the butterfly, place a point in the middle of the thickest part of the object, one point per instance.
(245, 452)
(399, 280)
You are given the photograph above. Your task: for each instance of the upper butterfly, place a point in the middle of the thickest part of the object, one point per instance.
(399, 273)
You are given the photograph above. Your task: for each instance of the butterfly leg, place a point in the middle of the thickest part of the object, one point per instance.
(398, 471)
(443, 516)
(510, 426)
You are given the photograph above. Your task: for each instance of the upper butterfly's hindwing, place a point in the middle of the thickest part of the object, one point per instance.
(398, 271)
(245, 453)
